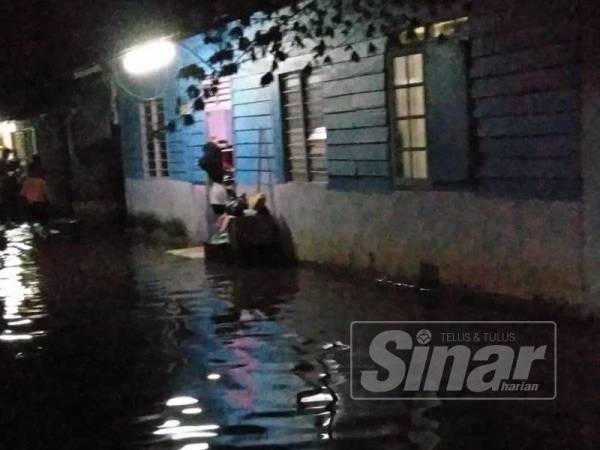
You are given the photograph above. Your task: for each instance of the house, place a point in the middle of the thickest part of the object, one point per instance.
(79, 147)
(475, 152)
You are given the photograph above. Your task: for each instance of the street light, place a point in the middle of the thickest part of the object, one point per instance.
(149, 57)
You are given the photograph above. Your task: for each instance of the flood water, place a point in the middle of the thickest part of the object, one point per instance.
(106, 345)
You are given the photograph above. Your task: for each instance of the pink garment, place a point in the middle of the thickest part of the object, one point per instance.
(34, 190)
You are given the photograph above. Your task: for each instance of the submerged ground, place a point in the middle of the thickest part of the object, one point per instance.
(108, 345)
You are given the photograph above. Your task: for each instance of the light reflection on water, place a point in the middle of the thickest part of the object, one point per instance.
(239, 365)
(160, 352)
(19, 288)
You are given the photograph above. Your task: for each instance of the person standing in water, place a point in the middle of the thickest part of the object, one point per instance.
(212, 163)
(34, 195)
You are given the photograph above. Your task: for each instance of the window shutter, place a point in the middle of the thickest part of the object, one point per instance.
(447, 110)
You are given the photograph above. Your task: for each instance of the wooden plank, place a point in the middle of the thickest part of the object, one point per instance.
(545, 146)
(250, 73)
(366, 66)
(537, 81)
(341, 55)
(249, 82)
(529, 168)
(525, 60)
(357, 119)
(240, 97)
(375, 152)
(252, 109)
(342, 168)
(373, 168)
(547, 102)
(523, 38)
(533, 125)
(251, 150)
(253, 123)
(365, 83)
(358, 136)
(504, 17)
(354, 102)
(295, 63)
(252, 136)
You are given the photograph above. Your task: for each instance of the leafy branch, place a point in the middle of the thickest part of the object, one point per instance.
(320, 26)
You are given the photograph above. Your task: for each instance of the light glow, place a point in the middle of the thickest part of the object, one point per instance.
(182, 401)
(186, 429)
(170, 424)
(149, 57)
(199, 446)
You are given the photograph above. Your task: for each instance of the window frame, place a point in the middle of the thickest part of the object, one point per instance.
(393, 52)
(20, 143)
(303, 86)
(404, 46)
(155, 126)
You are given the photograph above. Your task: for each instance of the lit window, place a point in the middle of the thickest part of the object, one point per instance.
(152, 121)
(411, 138)
(24, 143)
(415, 82)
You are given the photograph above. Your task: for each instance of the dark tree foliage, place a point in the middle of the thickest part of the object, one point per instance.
(316, 25)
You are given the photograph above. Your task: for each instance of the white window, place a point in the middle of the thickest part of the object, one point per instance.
(304, 127)
(154, 145)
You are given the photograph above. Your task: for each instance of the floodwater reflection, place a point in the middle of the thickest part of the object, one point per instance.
(146, 350)
(19, 290)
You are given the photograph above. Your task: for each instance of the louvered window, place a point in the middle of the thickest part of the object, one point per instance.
(219, 97)
(304, 127)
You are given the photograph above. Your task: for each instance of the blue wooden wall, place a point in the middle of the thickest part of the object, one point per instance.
(355, 115)
(185, 143)
(256, 130)
(526, 79)
(525, 87)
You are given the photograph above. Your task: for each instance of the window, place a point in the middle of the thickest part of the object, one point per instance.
(305, 135)
(220, 98)
(428, 102)
(24, 143)
(409, 95)
(152, 122)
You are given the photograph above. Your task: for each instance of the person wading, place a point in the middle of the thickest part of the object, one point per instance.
(212, 163)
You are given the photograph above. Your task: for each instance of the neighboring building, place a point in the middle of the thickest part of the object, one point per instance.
(473, 153)
(93, 147)
(20, 137)
(78, 144)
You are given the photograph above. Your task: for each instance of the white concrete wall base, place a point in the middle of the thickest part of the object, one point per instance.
(170, 199)
(523, 248)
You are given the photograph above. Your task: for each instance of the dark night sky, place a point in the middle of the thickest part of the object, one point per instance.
(43, 41)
